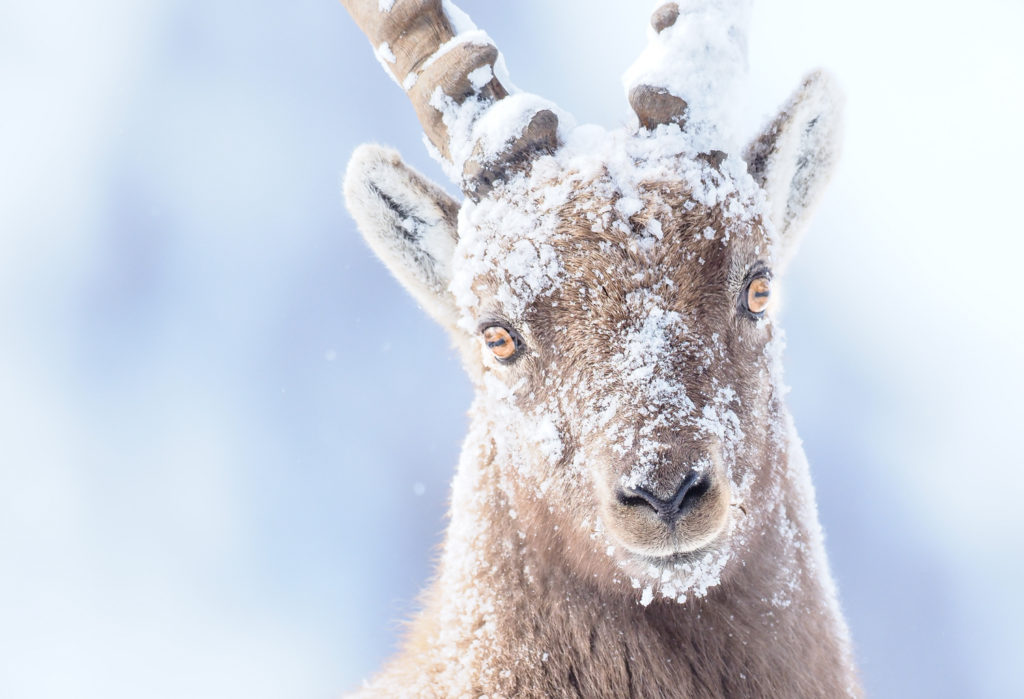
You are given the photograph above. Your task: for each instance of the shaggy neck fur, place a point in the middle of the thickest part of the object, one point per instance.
(509, 615)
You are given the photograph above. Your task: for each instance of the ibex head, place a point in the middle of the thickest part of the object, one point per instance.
(611, 292)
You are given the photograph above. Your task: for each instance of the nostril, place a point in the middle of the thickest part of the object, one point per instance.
(690, 491)
(693, 488)
(638, 497)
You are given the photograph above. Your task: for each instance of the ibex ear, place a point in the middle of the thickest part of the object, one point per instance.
(794, 156)
(408, 221)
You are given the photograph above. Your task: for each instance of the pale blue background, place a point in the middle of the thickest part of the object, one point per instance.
(217, 409)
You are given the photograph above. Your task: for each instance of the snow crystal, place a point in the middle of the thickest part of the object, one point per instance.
(459, 20)
(384, 53)
(386, 58)
(480, 76)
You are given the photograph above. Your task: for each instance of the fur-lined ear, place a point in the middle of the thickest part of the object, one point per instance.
(409, 222)
(794, 156)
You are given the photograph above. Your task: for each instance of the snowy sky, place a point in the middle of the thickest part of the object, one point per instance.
(226, 433)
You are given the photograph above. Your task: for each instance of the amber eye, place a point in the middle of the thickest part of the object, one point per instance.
(500, 341)
(758, 292)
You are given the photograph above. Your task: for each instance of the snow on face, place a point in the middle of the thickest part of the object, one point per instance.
(620, 261)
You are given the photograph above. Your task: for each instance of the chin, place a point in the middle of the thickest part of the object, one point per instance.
(686, 568)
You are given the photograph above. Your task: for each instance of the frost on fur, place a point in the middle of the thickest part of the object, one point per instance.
(697, 52)
(631, 510)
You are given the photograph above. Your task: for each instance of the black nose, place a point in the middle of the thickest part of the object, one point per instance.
(691, 490)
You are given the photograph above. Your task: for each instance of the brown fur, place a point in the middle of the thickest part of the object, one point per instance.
(638, 369)
(564, 620)
(599, 643)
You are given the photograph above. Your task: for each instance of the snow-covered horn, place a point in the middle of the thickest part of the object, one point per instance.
(689, 74)
(476, 126)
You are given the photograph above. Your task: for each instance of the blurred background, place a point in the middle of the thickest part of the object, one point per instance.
(226, 434)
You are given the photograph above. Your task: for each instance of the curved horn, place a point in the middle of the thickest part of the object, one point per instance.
(446, 65)
(688, 74)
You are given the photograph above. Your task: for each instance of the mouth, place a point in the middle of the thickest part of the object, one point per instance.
(656, 564)
(671, 560)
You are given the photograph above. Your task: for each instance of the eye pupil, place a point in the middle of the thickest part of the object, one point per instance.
(758, 293)
(500, 341)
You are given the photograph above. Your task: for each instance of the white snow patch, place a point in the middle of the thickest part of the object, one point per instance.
(385, 54)
(480, 76)
(386, 58)
(459, 20)
(702, 58)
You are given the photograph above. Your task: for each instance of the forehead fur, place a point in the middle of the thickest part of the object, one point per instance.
(610, 213)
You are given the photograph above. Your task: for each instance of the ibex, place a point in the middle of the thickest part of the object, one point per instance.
(632, 513)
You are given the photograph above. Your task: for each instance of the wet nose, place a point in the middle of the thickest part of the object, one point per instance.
(690, 491)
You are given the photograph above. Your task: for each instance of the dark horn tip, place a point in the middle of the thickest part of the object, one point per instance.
(665, 16)
(656, 105)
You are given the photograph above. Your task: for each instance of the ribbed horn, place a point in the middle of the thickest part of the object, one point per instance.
(480, 131)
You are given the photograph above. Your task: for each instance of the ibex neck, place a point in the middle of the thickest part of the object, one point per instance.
(507, 616)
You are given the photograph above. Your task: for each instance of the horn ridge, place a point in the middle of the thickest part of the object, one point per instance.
(447, 68)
